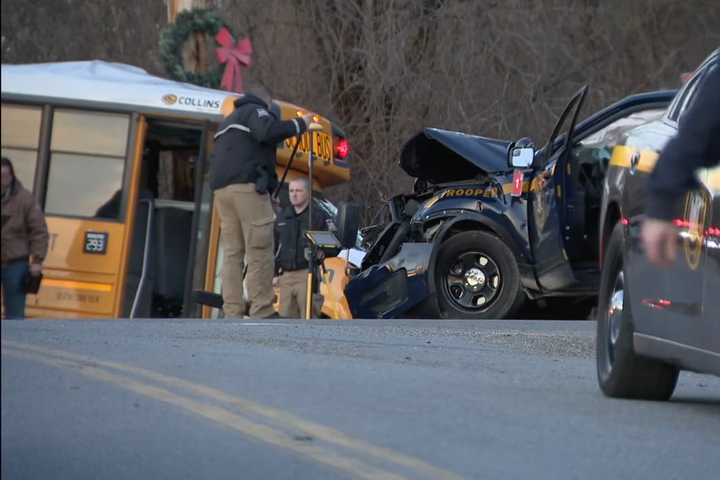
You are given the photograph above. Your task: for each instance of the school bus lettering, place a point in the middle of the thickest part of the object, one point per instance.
(77, 297)
(304, 142)
(198, 102)
(321, 145)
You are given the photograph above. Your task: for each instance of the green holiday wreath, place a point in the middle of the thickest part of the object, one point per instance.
(174, 36)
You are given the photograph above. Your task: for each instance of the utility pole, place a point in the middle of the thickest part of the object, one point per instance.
(176, 6)
(196, 53)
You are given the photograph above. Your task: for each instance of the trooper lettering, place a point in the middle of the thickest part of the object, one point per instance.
(468, 192)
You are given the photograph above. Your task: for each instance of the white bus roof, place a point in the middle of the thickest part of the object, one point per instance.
(108, 85)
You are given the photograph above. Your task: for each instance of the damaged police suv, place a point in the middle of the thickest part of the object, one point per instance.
(492, 223)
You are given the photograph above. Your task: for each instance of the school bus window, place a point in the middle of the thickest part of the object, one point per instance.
(87, 164)
(20, 139)
(24, 164)
(84, 185)
(90, 132)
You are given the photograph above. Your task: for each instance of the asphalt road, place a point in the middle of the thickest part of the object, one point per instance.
(326, 400)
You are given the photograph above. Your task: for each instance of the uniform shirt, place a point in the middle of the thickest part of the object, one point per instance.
(290, 229)
(246, 142)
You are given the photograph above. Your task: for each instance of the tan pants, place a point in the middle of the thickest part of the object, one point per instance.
(246, 220)
(293, 292)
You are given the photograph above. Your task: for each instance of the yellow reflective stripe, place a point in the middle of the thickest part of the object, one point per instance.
(648, 159)
(622, 154)
(71, 284)
(508, 187)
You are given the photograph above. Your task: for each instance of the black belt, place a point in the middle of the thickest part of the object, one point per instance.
(26, 258)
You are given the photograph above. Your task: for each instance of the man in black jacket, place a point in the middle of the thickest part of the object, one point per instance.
(291, 264)
(243, 176)
(696, 145)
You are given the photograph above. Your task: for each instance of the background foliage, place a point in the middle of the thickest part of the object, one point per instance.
(386, 68)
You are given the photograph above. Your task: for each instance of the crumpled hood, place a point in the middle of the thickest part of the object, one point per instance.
(440, 156)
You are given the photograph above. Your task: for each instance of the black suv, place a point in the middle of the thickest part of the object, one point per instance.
(489, 226)
(654, 321)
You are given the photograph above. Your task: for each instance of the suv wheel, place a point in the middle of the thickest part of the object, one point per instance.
(477, 276)
(620, 371)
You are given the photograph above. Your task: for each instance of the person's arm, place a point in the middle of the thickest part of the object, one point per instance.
(688, 151)
(38, 235)
(266, 128)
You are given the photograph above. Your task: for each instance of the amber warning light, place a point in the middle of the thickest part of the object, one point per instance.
(315, 118)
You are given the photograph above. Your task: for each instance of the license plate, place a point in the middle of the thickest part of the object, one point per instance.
(319, 141)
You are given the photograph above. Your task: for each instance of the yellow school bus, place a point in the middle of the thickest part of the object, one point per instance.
(119, 160)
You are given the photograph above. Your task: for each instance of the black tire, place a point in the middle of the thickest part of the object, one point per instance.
(476, 276)
(620, 371)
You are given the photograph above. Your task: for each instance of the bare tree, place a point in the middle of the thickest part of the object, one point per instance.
(384, 69)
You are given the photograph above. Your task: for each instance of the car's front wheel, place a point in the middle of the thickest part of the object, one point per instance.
(620, 371)
(476, 276)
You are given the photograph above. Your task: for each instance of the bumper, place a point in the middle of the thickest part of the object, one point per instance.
(393, 288)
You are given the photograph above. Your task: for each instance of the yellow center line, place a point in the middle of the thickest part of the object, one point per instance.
(286, 419)
(224, 417)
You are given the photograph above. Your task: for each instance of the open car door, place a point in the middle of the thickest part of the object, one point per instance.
(552, 266)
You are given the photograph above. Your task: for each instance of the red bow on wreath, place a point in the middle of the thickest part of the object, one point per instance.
(233, 56)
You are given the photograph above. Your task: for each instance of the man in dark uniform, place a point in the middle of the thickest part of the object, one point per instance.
(290, 261)
(243, 176)
(696, 145)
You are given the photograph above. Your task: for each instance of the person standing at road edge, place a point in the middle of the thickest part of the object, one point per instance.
(243, 177)
(24, 240)
(291, 263)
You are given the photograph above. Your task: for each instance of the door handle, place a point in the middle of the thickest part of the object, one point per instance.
(634, 162)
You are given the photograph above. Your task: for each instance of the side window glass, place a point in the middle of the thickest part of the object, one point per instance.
(87, 163)
(691, 96)
(595, 150)
(20, 139)
(680, 99)
(685, 98)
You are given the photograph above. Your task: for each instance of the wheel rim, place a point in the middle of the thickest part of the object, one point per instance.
(615, 316)
(473, 281)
